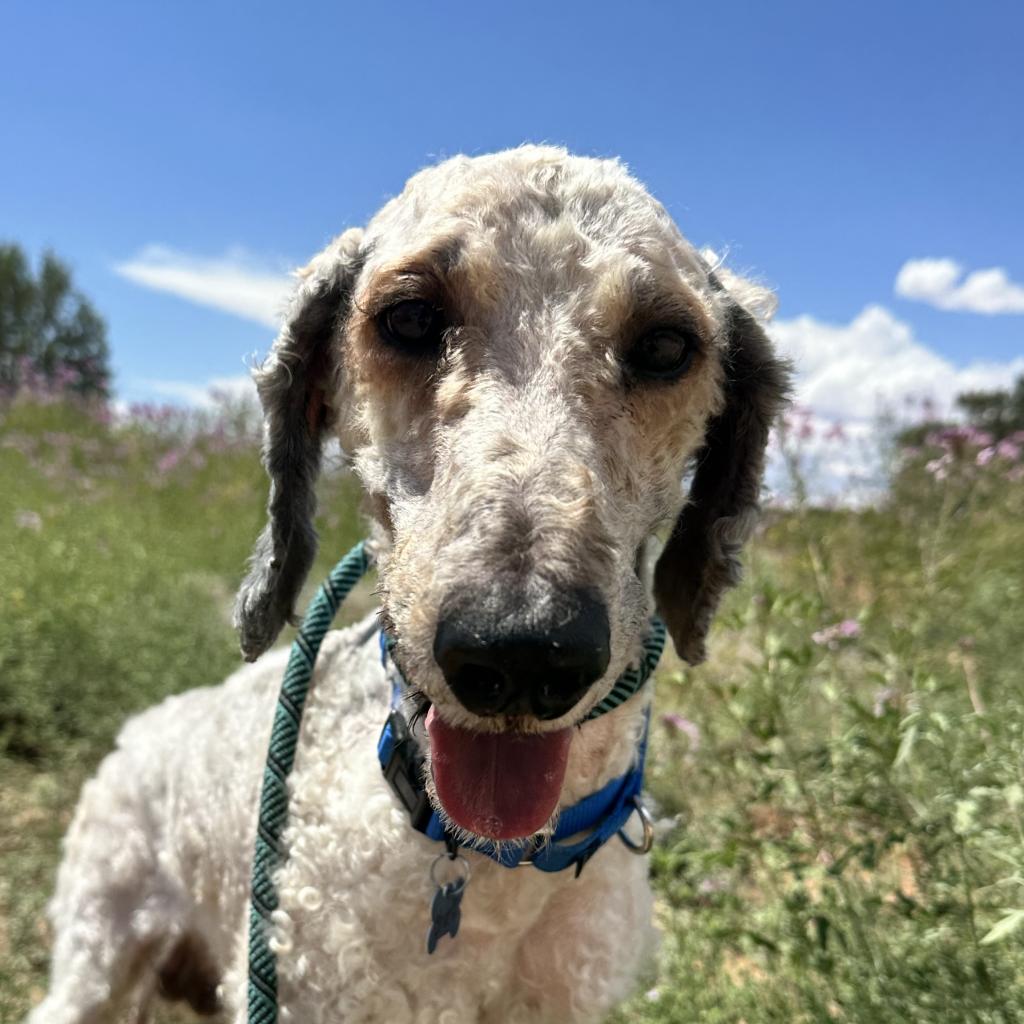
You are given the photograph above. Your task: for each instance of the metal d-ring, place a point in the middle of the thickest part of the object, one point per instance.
(648, 823)
(458, 859)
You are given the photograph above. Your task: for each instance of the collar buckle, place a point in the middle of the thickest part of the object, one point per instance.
(403, 769)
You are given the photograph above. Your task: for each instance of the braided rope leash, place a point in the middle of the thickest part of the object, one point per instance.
(273, 812)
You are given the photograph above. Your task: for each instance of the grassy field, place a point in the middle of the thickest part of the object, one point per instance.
(840, 788)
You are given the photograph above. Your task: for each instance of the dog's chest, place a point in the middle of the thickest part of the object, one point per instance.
(355, 895)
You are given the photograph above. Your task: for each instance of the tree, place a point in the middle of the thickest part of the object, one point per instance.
(48, 329)
(1000, 413)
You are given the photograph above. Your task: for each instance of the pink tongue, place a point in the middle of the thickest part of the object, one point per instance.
(501, 785)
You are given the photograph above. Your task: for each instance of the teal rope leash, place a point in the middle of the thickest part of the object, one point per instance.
(280, 757)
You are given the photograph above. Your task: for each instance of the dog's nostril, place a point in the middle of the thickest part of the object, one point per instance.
(560, 692)
(479, 688)
(490, 684)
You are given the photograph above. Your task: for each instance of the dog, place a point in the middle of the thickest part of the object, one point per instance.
(523, 359)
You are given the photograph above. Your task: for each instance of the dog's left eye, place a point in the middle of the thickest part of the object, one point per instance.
(412, 324)
(663, 354)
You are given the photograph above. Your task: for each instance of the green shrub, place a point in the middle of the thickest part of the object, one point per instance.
(845, 774)
(125, 543)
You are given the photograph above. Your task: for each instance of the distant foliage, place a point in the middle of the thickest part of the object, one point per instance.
(1000, 413)
(50, 336)
(992, 416)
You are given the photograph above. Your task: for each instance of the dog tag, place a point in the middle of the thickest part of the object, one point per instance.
(445, 912)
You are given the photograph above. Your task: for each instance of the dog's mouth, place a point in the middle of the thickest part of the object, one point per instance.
(499, 785)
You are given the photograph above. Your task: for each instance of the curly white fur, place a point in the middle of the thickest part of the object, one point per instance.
(161, 847)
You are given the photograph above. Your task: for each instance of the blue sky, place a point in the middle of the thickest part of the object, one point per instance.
(204, 149)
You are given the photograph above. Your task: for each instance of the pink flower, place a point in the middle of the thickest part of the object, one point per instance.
(979, 438)
(1006, 449)
(673, 720)
(169, 461)
(832, 636)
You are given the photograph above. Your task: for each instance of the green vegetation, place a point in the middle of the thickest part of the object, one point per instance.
(847, 781)
(49, 334)
(840, 786)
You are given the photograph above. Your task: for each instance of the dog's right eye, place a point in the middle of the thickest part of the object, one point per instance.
(413, 324)
(662, 354)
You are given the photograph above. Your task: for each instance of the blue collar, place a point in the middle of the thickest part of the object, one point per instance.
(601, 815)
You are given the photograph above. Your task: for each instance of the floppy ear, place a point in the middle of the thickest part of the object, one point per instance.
(295, 385)
(701, 559)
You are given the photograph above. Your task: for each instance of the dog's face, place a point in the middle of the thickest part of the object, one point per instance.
(523, 356)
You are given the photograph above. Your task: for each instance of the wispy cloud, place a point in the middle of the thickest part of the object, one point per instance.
(941, 283)
(203, 394)
(233, 283)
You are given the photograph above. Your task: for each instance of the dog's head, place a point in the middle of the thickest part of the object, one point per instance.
(524, 358)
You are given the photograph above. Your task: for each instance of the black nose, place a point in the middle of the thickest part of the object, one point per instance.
(536, 654)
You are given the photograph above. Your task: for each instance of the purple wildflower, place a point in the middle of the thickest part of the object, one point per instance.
(1009, 450)
(676, 722)
(832, 636)
(168, 461)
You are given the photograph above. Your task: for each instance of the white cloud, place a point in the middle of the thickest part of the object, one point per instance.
(938, 282)
(852, 371)
(850, 375)
(203, 394)
(233, 283)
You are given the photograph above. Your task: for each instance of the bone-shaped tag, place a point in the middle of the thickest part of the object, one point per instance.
(445, 914)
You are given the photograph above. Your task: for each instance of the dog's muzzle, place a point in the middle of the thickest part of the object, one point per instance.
(522, 651)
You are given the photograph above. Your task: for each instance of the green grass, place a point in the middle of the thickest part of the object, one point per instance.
(843, 818)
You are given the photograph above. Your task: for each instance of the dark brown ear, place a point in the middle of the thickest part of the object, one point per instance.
(701, 559)
(295, 384)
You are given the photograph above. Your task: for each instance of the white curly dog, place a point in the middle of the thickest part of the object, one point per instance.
(523, 358)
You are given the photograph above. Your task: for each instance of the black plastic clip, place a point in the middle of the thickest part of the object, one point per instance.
(404, 772)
